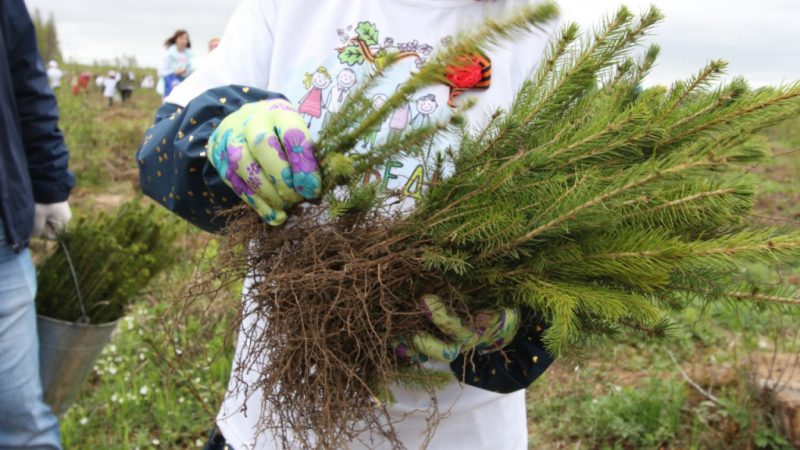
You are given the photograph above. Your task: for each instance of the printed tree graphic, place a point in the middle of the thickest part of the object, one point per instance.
(365, 47)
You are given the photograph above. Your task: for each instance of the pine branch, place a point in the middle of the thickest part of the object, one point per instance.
(595, 202)
(743, 295)
(706, 76)
(489, 33)
(611, 31)
(788, 98)
(569, 215)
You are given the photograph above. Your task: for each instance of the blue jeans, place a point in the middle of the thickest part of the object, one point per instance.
(25, 421)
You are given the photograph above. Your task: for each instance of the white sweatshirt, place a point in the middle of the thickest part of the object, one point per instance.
(54, 75)
(306, 50)
(110, 86)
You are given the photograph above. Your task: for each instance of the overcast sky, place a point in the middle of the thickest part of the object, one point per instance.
(760, 39)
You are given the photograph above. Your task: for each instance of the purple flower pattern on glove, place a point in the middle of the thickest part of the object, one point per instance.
(238, 185)
(299, 150)
(281, 106)
(401, 351)
(426, 310)
(253, 170)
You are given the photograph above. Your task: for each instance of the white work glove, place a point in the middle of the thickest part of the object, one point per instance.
(57, 215)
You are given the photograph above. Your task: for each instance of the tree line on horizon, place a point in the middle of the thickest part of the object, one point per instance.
(47, 36)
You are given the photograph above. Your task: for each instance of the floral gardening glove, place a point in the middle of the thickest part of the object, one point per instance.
(264, 153)
(490, 331)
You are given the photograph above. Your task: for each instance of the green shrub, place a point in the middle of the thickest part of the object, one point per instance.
(115, 256)
(645, 417)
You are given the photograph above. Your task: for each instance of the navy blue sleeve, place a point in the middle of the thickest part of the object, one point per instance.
(173, 168)
(516, 367)
(38, 112)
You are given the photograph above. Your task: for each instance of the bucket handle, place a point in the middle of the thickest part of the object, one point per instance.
(84, 319)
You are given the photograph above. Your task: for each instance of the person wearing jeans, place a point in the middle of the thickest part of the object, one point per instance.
(25, 421)
(34, 187)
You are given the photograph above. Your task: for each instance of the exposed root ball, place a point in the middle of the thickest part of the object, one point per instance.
(324, 301)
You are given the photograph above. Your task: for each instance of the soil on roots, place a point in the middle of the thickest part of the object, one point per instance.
(322, 303)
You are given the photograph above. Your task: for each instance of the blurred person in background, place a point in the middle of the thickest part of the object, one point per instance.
(125, 83)
(34, 187)
(110, 86)
(212, 44)
(83, 81)
(148, 82)
(177, 63)
(54, 75)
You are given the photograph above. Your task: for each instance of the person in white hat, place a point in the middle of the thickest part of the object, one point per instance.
(110, 86)
(54, 75)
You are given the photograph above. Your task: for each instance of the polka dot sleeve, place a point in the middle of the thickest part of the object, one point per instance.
(173, 168)
(515, 367)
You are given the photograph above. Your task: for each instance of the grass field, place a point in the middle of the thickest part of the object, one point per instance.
(160, 382)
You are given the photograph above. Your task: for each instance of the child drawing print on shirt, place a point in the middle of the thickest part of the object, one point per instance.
(399, 119)
(365, 46)
(413, 187)
(311, 104)
(378, 100)
(345, 81)
(344, 34)
(426, 106)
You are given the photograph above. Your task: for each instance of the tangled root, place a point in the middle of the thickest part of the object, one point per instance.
(324, 302)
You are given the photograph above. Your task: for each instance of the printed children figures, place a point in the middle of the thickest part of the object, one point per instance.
(311, 105)
(426, 106)
(344, 83)
(377, 103)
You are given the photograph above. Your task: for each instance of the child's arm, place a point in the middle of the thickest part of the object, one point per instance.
(326, 99)
(518, 365)
(173, 164)
(173, 159)
(497, 350)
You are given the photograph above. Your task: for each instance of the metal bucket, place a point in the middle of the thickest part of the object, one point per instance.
(67, 353)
